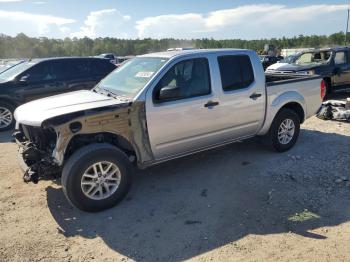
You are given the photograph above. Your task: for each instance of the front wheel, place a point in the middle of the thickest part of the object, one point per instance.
(7, 121)
(96, 177)
(284, 130)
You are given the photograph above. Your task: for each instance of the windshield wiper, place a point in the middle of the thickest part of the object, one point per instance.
(109, 93)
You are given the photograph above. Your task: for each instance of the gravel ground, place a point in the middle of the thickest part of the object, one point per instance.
(239, 202)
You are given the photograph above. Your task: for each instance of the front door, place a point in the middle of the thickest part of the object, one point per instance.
(181, 109)
(342, 64)
(40, 81)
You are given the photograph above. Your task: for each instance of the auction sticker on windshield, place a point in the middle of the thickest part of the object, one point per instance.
(144, 74)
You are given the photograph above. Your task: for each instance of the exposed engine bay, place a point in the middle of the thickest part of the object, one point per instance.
(44, 149)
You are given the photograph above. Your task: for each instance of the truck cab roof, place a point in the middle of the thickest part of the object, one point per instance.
(178, 53)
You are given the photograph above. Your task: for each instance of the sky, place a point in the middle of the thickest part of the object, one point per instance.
(185, 19)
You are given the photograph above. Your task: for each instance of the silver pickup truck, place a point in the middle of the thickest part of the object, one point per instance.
(154, 108)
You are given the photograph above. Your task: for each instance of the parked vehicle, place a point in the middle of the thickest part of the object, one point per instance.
(39, 78)
(267, 60)
(110, 56)
(289, 59)
(155, 108)
(333, 64)
(275, 67)
(8, 65)
(122, 59)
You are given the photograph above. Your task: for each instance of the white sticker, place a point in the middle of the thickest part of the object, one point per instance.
(144, 74)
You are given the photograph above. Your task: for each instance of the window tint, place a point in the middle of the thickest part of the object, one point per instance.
(186, 79)
(340, 58)
(101, 67)
(78, 68)
(236, 72)
(58, 68)
(40, 72)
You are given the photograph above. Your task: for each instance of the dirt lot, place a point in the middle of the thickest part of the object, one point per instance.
(240, 202)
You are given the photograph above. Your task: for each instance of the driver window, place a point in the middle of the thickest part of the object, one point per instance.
(186, 79)
(40, 72)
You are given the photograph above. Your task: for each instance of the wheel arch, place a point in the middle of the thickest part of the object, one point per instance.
(84, 139)
(8, 101)
(291, 100)
(297, 108)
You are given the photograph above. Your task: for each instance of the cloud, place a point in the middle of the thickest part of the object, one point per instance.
(248, 21)
(33, 24)
(102, 23)
(7, 1)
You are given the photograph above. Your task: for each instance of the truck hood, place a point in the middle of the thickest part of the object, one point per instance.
(275, 66)
(36, 112)
(290, 67)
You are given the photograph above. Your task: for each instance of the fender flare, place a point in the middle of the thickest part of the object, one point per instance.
(290, 97)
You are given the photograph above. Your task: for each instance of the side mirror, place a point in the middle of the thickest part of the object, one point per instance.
(24, 79)
(169, 92)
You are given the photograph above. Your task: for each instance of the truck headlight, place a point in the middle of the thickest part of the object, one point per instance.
(306, 72)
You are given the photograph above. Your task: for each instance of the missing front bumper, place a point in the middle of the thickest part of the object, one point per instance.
(35, 163)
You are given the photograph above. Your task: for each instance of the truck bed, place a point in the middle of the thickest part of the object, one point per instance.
(277, 79)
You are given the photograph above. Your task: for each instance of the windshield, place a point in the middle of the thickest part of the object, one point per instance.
(313, 58)
(262, 58)
(14, 71)
(289, 59)
(130, 78)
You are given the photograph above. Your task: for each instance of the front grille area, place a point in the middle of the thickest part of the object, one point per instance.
(43, 138)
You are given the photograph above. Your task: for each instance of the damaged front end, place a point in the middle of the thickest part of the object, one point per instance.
(35, 152)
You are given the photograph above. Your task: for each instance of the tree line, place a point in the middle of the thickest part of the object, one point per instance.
(22, 46)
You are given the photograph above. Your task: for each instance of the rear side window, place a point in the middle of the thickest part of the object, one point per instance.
(340, 58)
(78, 68)
(58, 68)
(236, 72)
(101, 67)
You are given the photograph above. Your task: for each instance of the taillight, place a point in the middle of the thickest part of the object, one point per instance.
(323, 89)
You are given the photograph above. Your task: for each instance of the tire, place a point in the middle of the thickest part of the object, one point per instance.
(6, 114)
(80, 162)
(273, 139)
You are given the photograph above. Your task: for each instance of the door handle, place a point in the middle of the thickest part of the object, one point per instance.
(254, 96)
(211, 104)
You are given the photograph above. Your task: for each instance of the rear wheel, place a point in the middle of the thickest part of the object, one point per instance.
(96, 177)
(284, 130)
(7, 120)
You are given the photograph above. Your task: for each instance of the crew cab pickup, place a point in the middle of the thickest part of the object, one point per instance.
(154, 108)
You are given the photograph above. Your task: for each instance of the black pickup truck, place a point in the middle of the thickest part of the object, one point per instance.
(333, 64)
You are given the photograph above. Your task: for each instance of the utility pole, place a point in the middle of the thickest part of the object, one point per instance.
(347, 27)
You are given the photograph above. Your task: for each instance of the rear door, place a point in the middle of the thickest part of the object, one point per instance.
(79, 74)
(242, 96)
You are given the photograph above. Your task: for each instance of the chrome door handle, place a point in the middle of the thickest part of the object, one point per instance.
(211, 104)
(254, 96)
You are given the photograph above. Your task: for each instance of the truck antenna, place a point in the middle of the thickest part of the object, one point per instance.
(347, 27)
